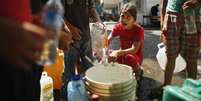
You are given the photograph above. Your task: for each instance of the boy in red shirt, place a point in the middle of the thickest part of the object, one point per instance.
(131, 38)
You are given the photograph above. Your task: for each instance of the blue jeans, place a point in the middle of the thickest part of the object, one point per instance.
(75, 55)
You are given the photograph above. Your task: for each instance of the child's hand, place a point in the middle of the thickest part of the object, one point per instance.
(113, 56)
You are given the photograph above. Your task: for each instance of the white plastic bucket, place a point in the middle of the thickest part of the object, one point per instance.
(180, 63)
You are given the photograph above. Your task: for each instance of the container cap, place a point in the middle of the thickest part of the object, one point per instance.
(75, 77)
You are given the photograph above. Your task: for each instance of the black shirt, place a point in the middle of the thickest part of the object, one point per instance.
(77, 14)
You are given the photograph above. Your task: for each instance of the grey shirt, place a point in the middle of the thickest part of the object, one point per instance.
(78, 15)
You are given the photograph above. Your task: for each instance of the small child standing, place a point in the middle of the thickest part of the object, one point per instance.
(131, 38)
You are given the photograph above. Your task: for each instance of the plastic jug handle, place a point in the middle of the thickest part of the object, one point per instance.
(160, 45)
(44, 74)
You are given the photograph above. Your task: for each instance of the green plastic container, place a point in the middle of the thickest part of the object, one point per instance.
(190, 91)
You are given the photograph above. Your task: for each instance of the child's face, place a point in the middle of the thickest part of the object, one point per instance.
(126, 19)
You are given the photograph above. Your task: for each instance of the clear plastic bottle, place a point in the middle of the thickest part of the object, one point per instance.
(189, 20)
(52, 18)
(98, 40)
(105, 48)
(76, 89)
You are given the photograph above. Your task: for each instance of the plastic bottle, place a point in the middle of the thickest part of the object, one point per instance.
(76, 89)
(180, 63)
(52, 18)
(105, 48)
(46, 83)
(98, 40)
(105, 56)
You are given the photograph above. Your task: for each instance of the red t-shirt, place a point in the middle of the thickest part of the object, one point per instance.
(127, 37)
(17, 10)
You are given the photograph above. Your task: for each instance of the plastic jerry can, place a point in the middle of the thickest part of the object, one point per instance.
(190, 91)
(76, 89)
(180, 63)
(46, 83)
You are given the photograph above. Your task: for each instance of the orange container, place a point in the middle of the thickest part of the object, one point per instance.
(55, 70)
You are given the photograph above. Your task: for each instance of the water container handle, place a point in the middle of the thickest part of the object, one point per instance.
(44, 74)
(160, 45)
(194, 85)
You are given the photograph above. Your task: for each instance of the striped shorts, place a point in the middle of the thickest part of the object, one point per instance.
(176, 38)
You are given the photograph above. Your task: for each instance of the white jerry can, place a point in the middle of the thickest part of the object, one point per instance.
(180, 63)
(46, 83)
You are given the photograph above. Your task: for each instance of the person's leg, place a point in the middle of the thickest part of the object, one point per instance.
(70, 59)
(193, 50)
(18, 84)
(192, 69)
(190, 52)
(171, 33)
(86, 55)
(57, 95)
(7, 76)
(169, 68)
(34, 82)
(134, 62)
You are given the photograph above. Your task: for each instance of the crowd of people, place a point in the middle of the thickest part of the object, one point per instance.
(23, 36)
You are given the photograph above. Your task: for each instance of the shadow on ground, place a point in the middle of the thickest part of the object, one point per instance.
(145, 87)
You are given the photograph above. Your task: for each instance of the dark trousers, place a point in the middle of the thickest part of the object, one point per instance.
(20, 85)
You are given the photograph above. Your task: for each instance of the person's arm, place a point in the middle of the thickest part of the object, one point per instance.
(191, 4)
(20, 42)
(135, 47)
(65, 40)
(94, 15)
(109, 38)
(163, 11)
(68, 27)
(92, 11)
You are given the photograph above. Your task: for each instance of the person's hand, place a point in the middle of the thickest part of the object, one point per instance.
(65, 40)
(75, 32)
(114, 55)
(191, 4)
(21, 44)
(102, 26)
(164, 29)
(162, 36)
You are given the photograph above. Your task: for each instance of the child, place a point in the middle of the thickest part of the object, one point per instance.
(131, 39)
